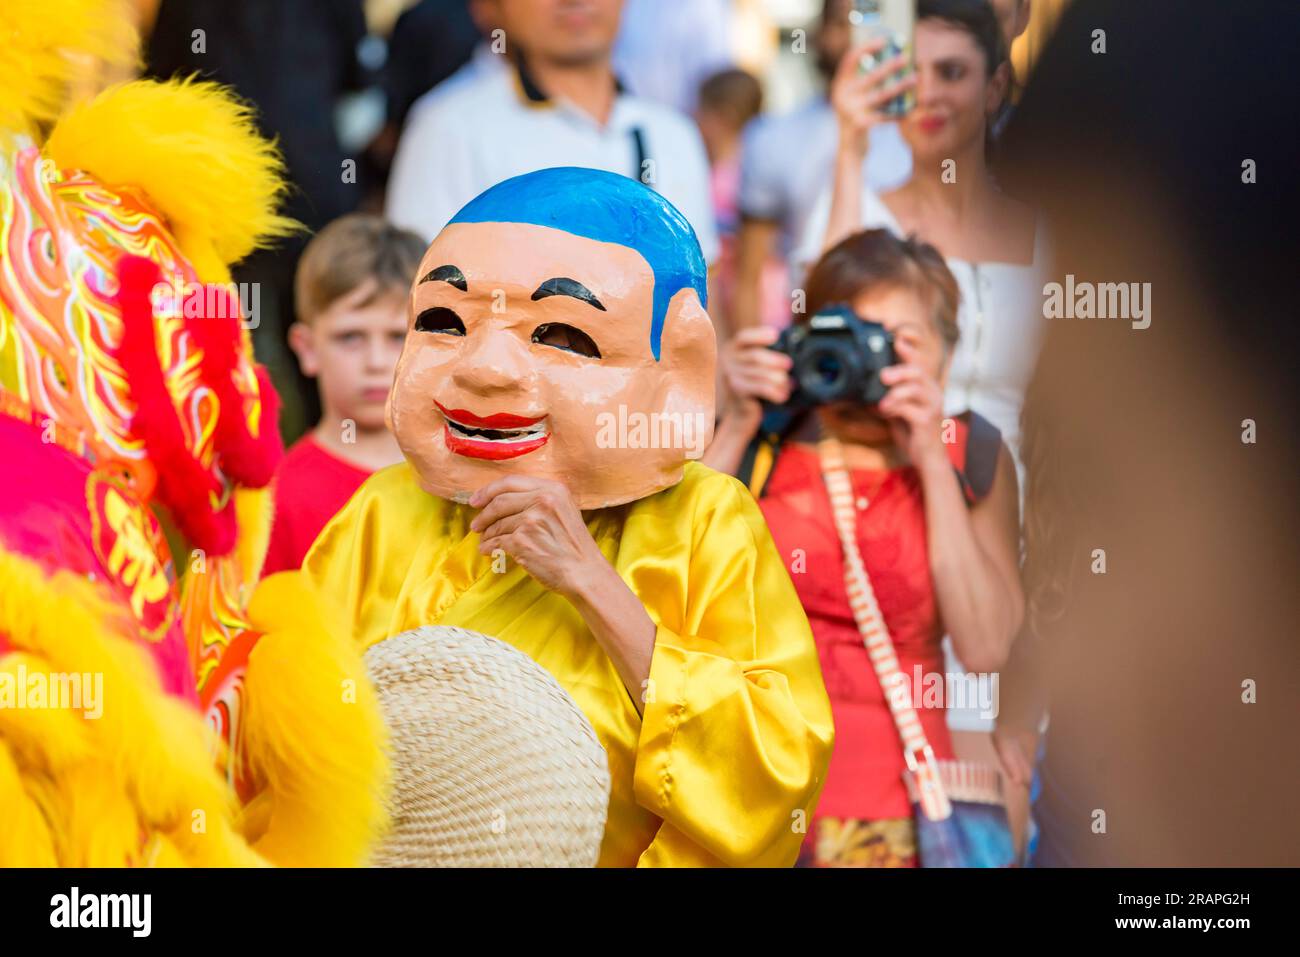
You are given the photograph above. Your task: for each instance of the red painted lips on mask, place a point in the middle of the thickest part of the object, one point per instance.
(502, 435)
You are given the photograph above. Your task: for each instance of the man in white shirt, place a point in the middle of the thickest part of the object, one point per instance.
(557, 102)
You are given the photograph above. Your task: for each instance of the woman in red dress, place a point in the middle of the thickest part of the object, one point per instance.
(937, 526)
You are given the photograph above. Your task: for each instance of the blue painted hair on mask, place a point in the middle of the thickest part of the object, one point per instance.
(608, 208)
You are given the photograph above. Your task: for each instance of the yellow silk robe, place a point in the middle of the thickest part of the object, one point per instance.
(726, 763)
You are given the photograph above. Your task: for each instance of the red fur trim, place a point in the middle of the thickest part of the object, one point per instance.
(184, 486)
(253, 461)
(245, 460)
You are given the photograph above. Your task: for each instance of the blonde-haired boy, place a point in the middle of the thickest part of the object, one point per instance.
(351, 289)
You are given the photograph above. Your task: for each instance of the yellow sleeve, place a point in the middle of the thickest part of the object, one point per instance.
(737, 733)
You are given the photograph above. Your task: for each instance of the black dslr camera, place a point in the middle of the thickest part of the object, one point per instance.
(837, 358)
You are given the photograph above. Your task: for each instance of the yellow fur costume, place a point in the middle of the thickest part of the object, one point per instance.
(237, 727)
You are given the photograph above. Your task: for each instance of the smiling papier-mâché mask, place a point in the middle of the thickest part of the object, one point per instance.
(557, 329)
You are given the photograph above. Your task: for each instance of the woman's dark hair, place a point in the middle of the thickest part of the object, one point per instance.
(977, 18)
(876, 257)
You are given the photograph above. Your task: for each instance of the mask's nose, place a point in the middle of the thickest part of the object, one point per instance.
(494, 362)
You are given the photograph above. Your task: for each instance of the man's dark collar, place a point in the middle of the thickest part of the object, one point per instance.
(534, 93)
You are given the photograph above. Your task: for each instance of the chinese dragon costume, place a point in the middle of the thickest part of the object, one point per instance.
(137, 439)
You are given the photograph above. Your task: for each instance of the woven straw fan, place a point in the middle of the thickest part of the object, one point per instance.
(494, 765)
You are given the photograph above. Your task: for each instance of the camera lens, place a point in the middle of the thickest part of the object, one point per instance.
(824, 373)
(829, 368)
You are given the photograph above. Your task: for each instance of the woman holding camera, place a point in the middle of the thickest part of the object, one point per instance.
(935, 522)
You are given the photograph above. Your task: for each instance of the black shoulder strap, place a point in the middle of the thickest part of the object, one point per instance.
(760, 455)
(979, 457)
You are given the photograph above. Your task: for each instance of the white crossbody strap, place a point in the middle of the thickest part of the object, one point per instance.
(875, 635)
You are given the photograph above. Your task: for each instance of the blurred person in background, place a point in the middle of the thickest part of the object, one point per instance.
(294, 60)
(558, 104)
(352, 285)
(667, 48)
(486, 56)
(937, 528)
(431, 41)
(787, 161)
(1161, 506)
(992, 243)
(1013, 20)
(1010, 19)
(1013, 17)
(727, 102)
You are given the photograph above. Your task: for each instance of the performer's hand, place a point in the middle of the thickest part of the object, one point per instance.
(914, 407)
(536, 522)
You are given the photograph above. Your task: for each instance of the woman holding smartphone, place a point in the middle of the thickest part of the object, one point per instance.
(990, 241)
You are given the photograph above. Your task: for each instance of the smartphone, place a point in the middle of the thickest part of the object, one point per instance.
(895, 20)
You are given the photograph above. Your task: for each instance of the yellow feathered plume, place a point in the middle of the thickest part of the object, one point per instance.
(136, 780)
(314, 734)
(44, 44)
(195, 151)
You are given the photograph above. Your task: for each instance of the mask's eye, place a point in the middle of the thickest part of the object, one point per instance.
(440, 319)
(559, 336)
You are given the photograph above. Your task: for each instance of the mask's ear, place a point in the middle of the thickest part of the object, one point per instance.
(689, 355)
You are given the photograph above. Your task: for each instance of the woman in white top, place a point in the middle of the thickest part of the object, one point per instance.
(992, 243)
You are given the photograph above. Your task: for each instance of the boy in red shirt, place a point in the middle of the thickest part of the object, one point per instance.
(351, 289)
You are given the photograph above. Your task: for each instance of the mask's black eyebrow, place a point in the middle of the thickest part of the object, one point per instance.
(448, 274)
(562, 286)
